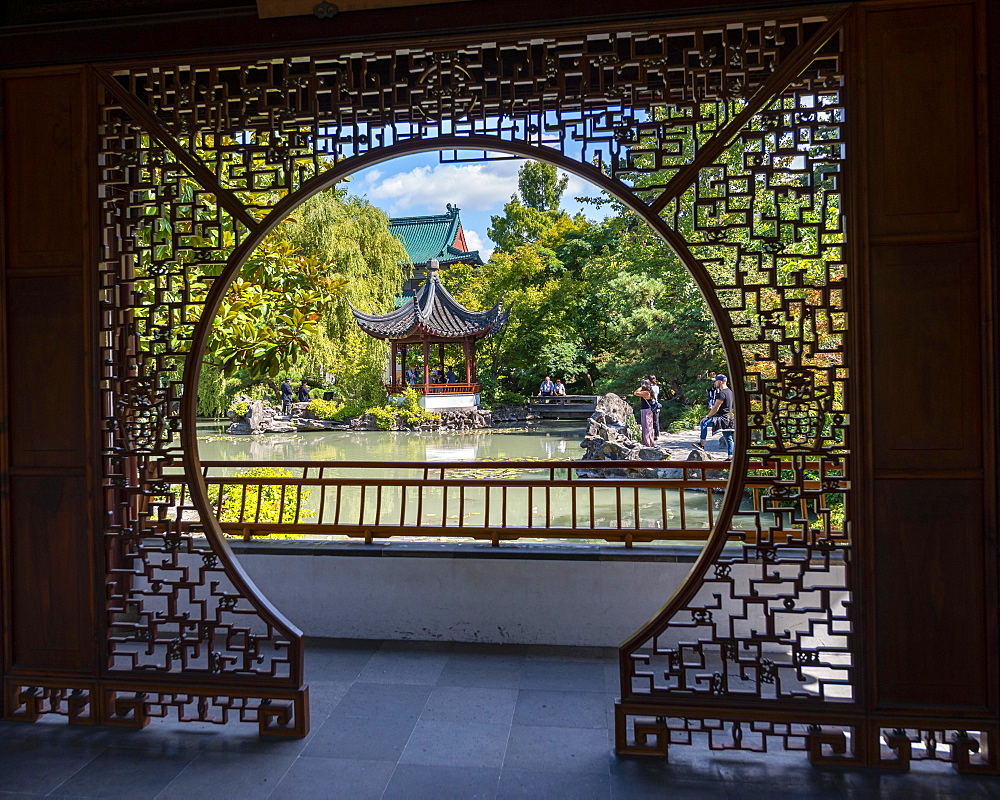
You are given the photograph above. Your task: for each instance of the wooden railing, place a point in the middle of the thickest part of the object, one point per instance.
(564, 399)
(497, 501)
(433, 388)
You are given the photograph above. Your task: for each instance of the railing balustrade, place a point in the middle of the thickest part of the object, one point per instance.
(494, 501)
(433, 388)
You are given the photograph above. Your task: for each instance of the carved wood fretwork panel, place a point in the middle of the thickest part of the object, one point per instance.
(727, 137)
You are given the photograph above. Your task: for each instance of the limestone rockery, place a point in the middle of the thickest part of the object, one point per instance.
(608, 439)
(261, 418)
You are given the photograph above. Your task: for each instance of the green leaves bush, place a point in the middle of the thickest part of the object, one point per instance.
(240, 409)
(325, 409)
(261, 504)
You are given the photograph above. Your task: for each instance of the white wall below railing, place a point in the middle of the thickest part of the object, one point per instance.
(526, 594)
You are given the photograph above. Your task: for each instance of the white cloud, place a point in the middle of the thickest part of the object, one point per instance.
(476, 242)
(473, 187)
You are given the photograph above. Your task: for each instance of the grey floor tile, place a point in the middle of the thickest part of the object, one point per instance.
(472, 744)
(412, 781)
(36, 767)
(125, 772)
(563, 676)
(559, 749)
(228, 775)
(324, 696)
(324, 778)
(549, 785)
(337, 664)
(690, 776)
(379, 738)
(498, 672)
(405, 667)
(470, 704)
(561, 709)
(376, 700)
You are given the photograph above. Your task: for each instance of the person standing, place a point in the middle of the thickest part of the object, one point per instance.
(546, 387)
(645, 395)
(721, 417)
(654, 387)
(560, 388)
(450, 376)
(286, 396)
(303, 394)
(713, 390)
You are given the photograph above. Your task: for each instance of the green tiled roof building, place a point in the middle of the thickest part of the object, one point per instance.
(438, 237)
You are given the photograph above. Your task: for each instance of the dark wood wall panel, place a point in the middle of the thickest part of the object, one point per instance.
(51, 614)
(46, 353)
(44, 172)
(921, 70)
(929, 542)
(931, 562)
(927, 395)
(48, 553)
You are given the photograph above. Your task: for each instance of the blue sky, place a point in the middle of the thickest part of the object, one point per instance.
(420, 184)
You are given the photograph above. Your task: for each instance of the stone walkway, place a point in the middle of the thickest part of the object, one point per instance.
(679, 445)
(436, 721)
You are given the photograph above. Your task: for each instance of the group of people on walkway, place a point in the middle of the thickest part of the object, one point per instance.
(720, 418)
(548, 388)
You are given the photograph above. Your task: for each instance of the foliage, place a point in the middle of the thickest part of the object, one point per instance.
(411, 412)
(263, 503)
(634, 430)
(290, 305)
(385, 417)
(261, 391)
(598, 304)
(271, 309)
(240, 409)
(325, 409)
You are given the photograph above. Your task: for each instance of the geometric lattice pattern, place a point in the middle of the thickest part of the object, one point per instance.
(727, 137)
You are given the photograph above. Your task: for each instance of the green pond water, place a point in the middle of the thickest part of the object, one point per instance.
(494, 507)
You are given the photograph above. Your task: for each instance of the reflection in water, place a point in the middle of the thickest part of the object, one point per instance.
(547, 440)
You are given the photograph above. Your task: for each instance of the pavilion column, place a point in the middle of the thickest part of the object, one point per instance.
(427, 364)
(402, 364)
(468, 362)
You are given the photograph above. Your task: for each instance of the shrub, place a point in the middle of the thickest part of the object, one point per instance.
(325, 409)
(267, 497)
(385, 417)
(240, 409)
(634, 431)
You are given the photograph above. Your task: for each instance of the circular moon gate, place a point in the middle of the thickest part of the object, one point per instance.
(726, 137)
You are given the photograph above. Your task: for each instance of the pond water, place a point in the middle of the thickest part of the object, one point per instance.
(547, 440)
(521, 507)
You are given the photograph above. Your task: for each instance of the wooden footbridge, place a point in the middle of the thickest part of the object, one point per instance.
(567, 406)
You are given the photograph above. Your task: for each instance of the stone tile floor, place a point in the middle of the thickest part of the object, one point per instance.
(396, 720)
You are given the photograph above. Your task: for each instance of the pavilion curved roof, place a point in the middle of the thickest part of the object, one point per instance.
(434, 312)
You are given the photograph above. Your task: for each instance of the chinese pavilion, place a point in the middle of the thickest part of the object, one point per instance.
(438, 237)
(433, 317)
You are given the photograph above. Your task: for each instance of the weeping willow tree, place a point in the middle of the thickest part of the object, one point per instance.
(352, 236)
(288, 311)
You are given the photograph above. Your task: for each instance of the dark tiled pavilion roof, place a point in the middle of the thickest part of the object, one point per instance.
(433, 312)
(439, 237)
